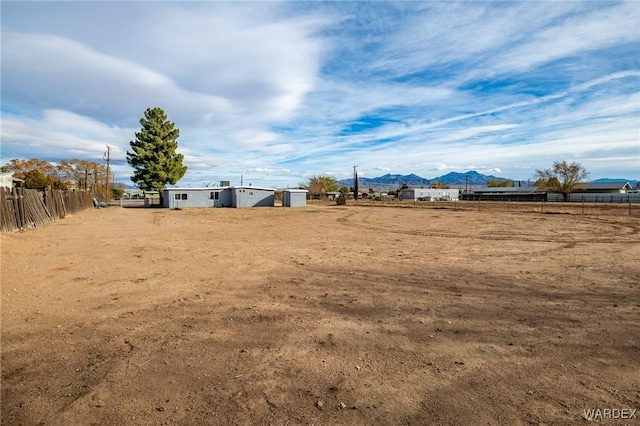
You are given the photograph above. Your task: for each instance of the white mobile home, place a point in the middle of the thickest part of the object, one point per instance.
(413, 194)
(230, 196)
(294, 197)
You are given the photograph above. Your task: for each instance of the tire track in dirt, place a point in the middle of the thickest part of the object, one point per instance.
(287, 308)
(348, 220)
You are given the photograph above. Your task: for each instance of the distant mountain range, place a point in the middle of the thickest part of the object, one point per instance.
(606, 180)
(389, 181)
(453, 179)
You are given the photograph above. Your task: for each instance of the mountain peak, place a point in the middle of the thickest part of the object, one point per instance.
(453, 179)
(392, 181)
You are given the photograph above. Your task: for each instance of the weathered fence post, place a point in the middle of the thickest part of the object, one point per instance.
(19, 203)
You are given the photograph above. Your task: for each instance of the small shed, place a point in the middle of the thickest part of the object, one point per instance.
(294, 197)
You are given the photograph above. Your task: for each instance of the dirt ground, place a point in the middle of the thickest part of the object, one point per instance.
(321, 315)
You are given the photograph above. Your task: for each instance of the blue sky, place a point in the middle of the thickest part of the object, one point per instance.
(278, 91)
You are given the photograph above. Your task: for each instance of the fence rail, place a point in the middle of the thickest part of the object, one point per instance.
(596, 198)
(509, 206)
(21, 208)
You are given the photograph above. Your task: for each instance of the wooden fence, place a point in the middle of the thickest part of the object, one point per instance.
(21, 208)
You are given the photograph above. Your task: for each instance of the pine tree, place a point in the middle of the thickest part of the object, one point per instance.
(154, 158)
(356, 192)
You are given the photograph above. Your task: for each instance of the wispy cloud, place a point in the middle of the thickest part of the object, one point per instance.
(280, 91)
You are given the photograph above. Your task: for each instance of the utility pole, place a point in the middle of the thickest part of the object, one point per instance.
(94, 183)
(107, 156)
(466, 187)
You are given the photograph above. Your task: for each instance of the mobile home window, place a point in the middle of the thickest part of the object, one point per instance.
(176, 197)
(215, 195)
(184, 196)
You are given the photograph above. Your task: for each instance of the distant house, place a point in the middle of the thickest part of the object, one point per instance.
(600, 192)
(6, 180)
(231, 196)
(429, 194)
(618, 187)
(136, 194)
(378, 195)
(327, 196)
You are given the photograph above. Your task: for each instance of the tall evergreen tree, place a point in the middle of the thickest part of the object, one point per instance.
(356, 192)
(154, 157)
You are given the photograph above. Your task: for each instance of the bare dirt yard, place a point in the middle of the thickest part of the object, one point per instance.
(321, 315)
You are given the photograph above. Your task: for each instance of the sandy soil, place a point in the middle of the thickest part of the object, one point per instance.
(321, 315)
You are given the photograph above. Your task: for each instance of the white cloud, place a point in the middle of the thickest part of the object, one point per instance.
(472, 132)
(269, 170)
(288, 89)
(440, 167)
(253, 138)
(64, 72)
(63, 132)
(578, 33)
(634, 75)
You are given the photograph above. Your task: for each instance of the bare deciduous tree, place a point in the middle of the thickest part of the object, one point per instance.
(320, 185)
(561, 178)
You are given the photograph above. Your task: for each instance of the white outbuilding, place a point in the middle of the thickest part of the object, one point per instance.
(294, 197)
(429, 194)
